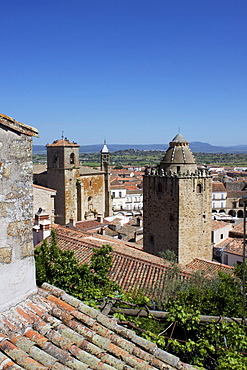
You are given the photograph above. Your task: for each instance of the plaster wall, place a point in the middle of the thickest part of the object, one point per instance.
(221, 234)
(43, 198)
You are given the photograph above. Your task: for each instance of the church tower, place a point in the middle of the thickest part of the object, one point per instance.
(62, 175)
(177, 205)
(105, 166)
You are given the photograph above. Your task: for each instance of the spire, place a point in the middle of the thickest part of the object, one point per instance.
(105, 149)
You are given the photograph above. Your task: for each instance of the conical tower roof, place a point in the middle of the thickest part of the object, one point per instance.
(178, 156)
(105, 148)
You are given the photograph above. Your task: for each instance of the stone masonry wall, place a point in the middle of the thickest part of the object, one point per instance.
(176, 217)
(93, 195)
(17, 270)
(195, 210)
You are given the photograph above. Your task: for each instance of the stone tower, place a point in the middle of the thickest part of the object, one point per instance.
(105, 166)
(62, 174)
(177, 205)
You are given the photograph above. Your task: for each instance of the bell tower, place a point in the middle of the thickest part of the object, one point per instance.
(105, 166)
(62, 175)
(177, 205)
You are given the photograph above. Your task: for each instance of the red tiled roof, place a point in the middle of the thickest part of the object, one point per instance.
(209, 267)
(18, 126)
(132, 267)
(53, 330)
(63, 142)
(238, 230)
(90, 224)
(218, 225)
(218, 186)
(233, 245)
(235, 194)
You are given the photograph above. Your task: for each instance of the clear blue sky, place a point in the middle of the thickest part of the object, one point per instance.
(128, 71)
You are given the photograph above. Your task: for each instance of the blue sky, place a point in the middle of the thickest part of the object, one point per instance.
(128, 71)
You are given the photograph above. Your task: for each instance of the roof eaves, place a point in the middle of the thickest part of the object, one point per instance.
(18, 126)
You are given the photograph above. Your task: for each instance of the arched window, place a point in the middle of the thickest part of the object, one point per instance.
(199, 188)
(72, 158)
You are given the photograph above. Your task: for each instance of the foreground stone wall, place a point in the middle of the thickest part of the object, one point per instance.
(17, 269)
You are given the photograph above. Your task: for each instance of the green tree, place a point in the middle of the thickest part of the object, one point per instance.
(61, 268)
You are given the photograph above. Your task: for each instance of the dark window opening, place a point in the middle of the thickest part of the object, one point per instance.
(72, 158)
(160, 188)
(171, 218)
(199, 188)
(151, 238)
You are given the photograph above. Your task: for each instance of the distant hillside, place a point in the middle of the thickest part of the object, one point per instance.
(196, 146)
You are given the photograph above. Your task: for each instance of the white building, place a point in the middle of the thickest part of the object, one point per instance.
(128, 200)
(219, 195)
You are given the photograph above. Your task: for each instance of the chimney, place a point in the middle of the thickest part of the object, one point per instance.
(71, 223)
(17, 267)
(102, 230)
(139, 221)
(100, 218)
(42, 227)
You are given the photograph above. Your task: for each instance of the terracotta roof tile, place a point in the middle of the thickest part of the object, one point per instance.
(218, 186)
(60, 332)
(219, 224)
(63, 142)
(132, 267)
(18, 126)
(209, 267)
(90, 224)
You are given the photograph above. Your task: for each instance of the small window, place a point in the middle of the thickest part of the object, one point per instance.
(120, 194)
(221, 236)
(160, 188)
(213, 196)
(55, 158)
(171, 218)
(199, 188)
(72, 158)
(113, 194)
(222, 196)
(151, 238)
(89, 199)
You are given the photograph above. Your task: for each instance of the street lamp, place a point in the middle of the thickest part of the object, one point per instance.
(244, 198)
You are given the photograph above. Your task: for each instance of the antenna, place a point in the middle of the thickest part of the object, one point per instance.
(62, 135)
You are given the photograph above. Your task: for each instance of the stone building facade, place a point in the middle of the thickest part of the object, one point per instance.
(82, 193)
(177, 205)
(17, 270)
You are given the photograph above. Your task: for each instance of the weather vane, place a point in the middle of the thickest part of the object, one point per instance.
(62, 135)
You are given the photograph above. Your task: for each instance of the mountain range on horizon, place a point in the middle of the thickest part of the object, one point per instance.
(195, 146)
